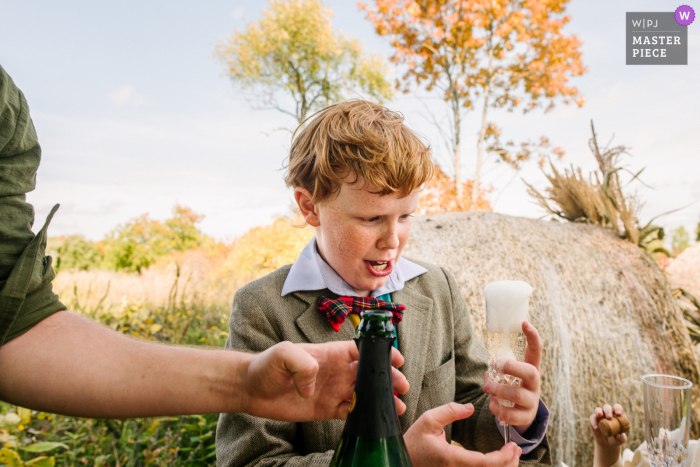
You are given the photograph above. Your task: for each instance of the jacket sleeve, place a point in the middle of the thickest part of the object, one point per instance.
(244, 440)
(478, 432)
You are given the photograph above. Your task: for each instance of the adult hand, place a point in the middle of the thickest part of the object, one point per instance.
(427, 445)
(302, 382)
(526, 397)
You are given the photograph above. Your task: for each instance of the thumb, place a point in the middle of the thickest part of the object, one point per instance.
(302, 366)
(435, 419)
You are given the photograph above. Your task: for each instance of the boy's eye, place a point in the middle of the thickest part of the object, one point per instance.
(371, 219)
(406, 216)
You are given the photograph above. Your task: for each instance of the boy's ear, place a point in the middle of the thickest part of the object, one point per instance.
(306, 206)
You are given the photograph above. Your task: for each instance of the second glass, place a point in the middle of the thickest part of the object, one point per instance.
(667, 419)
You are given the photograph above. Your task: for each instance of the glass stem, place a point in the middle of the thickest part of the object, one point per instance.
(506, 427)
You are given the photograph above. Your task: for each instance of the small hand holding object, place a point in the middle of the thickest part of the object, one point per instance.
(609, 425)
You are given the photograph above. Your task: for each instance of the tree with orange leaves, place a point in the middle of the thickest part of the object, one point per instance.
(439, 195)
(507, 53)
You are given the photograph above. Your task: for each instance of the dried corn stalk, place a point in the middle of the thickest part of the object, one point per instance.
(599, 200)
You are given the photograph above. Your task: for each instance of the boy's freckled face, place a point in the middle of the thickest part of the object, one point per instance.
(361, 234)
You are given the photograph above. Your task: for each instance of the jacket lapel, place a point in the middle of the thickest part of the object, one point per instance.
(413, 333)
(314, 324)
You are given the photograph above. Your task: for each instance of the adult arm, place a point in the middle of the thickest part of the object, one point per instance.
(67, 364)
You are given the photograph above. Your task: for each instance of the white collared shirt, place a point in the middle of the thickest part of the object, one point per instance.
(311, 272)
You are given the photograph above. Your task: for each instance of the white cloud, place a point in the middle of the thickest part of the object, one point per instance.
(126, 96)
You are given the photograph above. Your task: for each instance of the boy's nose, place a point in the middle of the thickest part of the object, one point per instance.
(389, 240)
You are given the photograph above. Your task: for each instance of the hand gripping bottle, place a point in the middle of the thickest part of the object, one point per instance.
(372, 434)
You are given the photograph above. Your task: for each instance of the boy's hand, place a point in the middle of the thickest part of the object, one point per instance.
(607, 449)
(606, 412)
(303, 382)
(527, 396)
(427, 445)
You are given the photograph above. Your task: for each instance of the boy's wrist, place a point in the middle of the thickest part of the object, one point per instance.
(606, 456)
(522, 429)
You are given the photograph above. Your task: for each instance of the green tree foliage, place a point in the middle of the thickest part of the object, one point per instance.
(680, 240)
(182, 229)
(75, 253)
(138, 243)
(697, 233)
(293, 51)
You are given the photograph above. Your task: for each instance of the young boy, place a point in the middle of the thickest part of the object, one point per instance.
(356, 171)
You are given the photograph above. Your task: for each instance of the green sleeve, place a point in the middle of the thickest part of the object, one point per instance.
(26, 296)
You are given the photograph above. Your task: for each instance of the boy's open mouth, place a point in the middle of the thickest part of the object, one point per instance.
(379, 268)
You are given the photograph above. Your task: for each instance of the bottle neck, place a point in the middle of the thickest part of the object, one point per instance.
(373, 411)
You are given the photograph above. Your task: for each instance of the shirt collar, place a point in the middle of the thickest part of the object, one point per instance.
(311, 272)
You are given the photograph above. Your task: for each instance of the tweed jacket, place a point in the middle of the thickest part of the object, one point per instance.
(444, 362)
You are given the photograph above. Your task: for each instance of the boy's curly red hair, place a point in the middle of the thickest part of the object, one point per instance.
(353, 139)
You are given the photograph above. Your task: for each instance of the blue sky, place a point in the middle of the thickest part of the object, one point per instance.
(134, 114)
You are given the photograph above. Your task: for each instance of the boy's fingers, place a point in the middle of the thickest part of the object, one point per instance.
(617, 408)
(396, 358)
(533, 353)
(437, 418)
(400, 382)
(521, 397)
(525, 371)
(400, 406)
(594, 421)
(512, 415)
(607, 410)
(507, 456)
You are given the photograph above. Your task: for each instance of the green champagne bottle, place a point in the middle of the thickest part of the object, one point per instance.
(372, 435)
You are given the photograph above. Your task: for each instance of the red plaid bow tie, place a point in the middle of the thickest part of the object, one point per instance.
(338, 309)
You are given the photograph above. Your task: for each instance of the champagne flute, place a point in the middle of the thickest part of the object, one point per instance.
(506, 310)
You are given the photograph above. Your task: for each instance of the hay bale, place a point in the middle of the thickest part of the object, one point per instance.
(684, 271)
(604, 310)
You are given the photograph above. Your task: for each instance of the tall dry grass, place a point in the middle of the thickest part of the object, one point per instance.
(203, 278)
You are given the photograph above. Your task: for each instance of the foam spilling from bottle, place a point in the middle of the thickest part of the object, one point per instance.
(506, 305)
